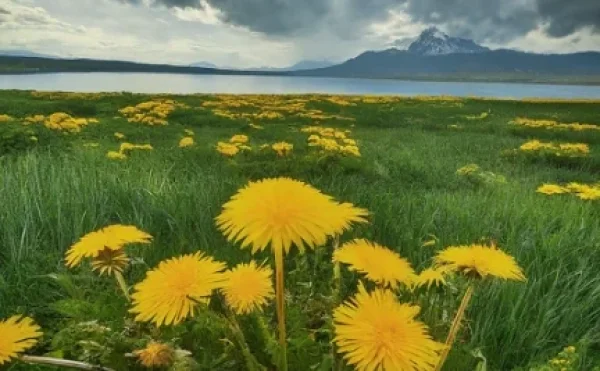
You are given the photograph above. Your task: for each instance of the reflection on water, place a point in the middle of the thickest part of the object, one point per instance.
(180, 83)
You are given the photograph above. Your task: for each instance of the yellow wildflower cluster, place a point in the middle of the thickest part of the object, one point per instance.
(227, 149)
(60, 121)
(4, 118)
(186, 142)
(558, 149)
(236, 144)
(553, 125)
(52, 95)
(566, 360)
(482, 116)
(475, 174)
(270, 107)
(340, 100)
(583, 191)
(468, 169)
(151, 113)
(125, 148)
(332, 140)
(282, 148)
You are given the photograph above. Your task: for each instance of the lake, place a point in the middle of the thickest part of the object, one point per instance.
(183, 84)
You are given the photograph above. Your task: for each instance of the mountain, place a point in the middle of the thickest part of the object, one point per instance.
(434, 42)
(204, 65)
(309, 65)
(394, 63)
(437, 56)
(24, 53)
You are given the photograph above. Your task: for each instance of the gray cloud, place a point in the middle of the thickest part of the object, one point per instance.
(4, 11)
(566, 17)
(494, 21)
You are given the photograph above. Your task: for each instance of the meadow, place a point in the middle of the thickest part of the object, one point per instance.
(432, 172)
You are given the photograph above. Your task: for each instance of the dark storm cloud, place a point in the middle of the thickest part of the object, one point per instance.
(565, 17)
(481, 20)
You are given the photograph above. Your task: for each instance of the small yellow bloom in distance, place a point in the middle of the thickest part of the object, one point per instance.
(282, 148)
(119, 135)
(239, 138)
(374, 331)
(227, 149)
(552, 189)
(17, 334)
(479, 261)
(171, 292)
(186, 142)
(155, 355)
(114, 155)
(188, 132)
(248, 287)
(378, 263)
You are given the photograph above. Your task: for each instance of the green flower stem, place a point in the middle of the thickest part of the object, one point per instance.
(251, 362)
(62, 363)
(122, 285)
(455, 327)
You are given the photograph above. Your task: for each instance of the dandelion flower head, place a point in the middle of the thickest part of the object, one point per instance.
(282, 212)
(378, 263)
(17, 334)
(375, 332)
(481, 261)
(171, 292)
(248, 287)
(113, 237)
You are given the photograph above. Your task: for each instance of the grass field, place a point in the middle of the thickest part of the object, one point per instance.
(58, 184)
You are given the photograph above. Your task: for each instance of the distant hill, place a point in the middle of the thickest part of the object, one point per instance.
(24, 53)
(204, 65)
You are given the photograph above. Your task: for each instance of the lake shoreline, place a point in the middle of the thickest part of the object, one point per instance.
(543, 80)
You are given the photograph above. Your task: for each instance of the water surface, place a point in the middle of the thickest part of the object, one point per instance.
(184, 84)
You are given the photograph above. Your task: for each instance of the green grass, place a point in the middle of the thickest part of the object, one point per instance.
(54, 191)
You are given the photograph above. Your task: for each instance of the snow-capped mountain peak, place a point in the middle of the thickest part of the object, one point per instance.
(432, 41)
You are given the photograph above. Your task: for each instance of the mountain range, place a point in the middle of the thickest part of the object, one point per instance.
(300, 66)
(432, 56)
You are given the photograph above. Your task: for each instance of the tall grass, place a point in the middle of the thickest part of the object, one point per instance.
(406, 178)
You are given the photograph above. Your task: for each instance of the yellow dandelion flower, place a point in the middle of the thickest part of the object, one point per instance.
(481, 261)
(431, 277)
(552, 189)
(110, 261)
(314, 138)
(186, 142)
(17, 334)
(375, 332)
(282, 148)
(227, 149)
(155, 355)
(239, 138)
(378, 263)
(114, 155)
(282, 212)
(349, 142)
(113, 237)
(170, 293)
(119, 135)
(248, 287)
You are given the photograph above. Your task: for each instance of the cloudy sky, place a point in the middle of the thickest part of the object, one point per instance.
(253, 33)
